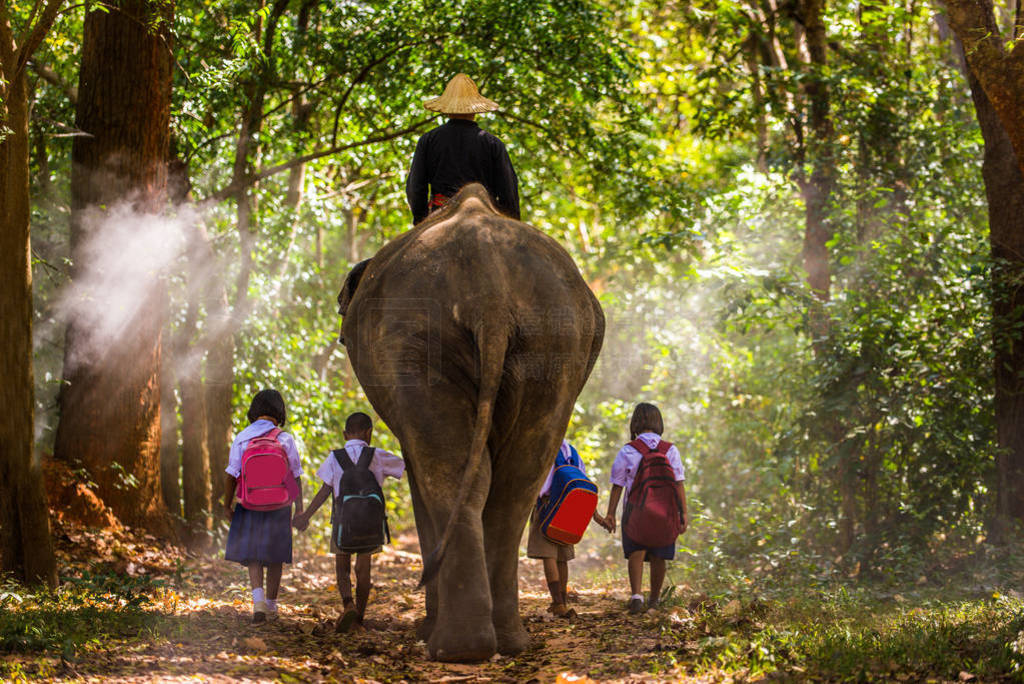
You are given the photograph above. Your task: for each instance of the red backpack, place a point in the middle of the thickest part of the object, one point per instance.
(266, 482)
(653, 514)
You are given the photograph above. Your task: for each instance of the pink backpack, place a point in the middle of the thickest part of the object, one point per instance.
(266, 482)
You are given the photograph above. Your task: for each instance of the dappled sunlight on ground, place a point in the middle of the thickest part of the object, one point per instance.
(132, 609)
(201, 628)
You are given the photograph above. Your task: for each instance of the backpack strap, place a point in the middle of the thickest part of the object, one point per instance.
(663, 447)
(574, 457)
(270, 434)
(561, 458)
(341, 456)
(365, 456)
(640, 446)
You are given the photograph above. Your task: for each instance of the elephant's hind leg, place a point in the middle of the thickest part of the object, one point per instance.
(427, 540)
(462, 630)
(503, 528)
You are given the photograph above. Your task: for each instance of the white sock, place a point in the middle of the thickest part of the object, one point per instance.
(272, 605)
(637, 596)
(258, 595)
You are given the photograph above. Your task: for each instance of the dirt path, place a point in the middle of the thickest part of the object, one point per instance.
(203, 631)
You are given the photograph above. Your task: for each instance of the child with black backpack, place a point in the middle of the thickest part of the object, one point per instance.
(263, 472)
(354, 476)
(651, 473)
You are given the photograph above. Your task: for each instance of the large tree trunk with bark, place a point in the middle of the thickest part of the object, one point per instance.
(110, 402)
(999, 70)
(25, 545)
(1004, 189)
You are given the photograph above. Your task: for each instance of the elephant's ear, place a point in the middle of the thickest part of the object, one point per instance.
(348, 290)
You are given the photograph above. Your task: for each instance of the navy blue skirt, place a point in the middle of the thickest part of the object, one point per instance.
(629, 546)
(260, 536)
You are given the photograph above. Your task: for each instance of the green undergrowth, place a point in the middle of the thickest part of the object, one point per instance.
(83, 612)
(952, 615)
(845, 637)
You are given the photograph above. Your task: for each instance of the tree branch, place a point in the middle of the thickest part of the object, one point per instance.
(53, 78)
(360, 77)
(37, 34)
(7, 46)
(240, 183)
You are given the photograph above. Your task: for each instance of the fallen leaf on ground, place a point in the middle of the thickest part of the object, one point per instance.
(254, 644)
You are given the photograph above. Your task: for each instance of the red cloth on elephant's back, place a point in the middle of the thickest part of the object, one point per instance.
(438, 201)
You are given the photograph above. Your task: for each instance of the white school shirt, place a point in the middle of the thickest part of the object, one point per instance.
(566, 451)
(384, 464)
(628, 458)
(262, 427)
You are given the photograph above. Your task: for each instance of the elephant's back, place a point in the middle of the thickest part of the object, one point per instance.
(474, 253)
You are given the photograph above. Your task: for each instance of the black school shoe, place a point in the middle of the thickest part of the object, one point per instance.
(636, 606)
(347, 620)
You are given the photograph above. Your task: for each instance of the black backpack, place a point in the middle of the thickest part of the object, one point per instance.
(360, 523)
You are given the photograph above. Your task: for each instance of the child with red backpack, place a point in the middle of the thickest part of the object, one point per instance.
(649, 470)
(354, 475)
(263, 471)
(558, 521)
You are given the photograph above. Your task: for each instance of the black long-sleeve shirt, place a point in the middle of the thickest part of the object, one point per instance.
(455, 154)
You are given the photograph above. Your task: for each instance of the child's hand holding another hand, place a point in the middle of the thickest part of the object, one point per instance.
(300, 521)
(602, 521)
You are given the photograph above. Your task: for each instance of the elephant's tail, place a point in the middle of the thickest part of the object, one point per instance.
(492, 344)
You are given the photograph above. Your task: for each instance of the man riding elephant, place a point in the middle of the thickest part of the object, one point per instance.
(458, 153)
(472, 335)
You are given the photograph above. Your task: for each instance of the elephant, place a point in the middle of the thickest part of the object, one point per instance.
(472, 334)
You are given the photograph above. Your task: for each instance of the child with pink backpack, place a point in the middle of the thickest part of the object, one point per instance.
(650, 472)
(263, 473)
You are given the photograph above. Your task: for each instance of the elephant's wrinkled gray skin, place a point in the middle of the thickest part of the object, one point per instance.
(472, 335)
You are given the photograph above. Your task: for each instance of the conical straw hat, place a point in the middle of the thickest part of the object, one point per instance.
(461, 97)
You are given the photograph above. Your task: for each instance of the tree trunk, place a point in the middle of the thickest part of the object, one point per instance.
(110, 401)
(999, 71)
(1004, 189)
(187, 365)
(220, 378)
(817, 193)
(25, 545)
(220, 362)
(170, 457)
(195, 460)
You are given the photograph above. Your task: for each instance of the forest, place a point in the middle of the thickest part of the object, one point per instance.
(804, 223)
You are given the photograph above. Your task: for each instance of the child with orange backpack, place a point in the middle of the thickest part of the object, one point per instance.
(651, 473)
(263, 471)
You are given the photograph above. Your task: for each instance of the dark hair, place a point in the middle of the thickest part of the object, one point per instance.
(646, 418)
(358, 423)
(268, 402)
